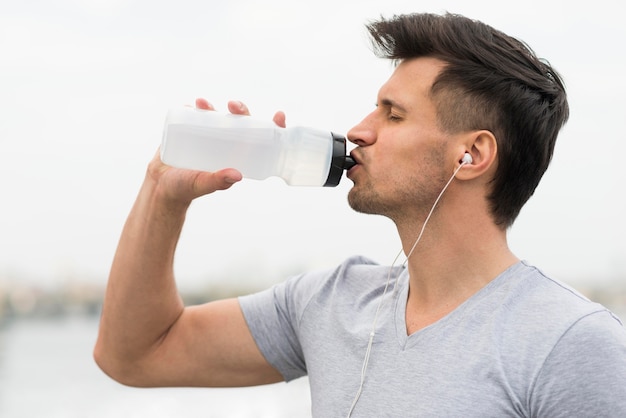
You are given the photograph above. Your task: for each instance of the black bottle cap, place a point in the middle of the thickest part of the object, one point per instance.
(337, 163)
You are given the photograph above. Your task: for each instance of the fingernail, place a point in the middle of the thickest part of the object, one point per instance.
(232, 177)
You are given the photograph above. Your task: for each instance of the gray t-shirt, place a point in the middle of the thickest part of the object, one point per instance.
(523, 346)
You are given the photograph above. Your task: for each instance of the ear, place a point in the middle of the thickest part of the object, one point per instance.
(483, 147)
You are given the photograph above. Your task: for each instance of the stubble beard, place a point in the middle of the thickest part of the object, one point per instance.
(366, 201)
(399, 201)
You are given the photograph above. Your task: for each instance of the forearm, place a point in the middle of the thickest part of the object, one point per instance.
(147, 337)
(141, 301)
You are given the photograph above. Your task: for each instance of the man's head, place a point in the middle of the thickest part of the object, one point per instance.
(492, 82)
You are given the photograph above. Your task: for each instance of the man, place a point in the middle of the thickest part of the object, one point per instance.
(463, 328)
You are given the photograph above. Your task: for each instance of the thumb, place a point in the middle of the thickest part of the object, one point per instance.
(205, 182)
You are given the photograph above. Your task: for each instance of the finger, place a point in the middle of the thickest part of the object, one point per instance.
(229, 176)
(205, 183)
(238, 108)
(280, 119)
(204, 104)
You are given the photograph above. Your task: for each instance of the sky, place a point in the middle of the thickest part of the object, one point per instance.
(85, 87)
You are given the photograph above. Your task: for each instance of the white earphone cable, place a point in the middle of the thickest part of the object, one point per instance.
(432, 209)
(395, 286)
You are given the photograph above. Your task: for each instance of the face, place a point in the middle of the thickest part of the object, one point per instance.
(401, 151)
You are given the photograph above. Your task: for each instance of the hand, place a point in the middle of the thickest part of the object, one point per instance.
(239, 108)
(181, 185)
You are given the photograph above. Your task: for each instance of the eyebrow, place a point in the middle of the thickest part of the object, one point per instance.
(391, 103)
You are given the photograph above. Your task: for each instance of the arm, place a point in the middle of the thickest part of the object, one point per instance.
(147, 337)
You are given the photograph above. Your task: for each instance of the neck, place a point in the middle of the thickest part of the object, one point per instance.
(457, 255)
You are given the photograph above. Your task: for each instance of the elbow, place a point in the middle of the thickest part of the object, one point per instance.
(122, 371)
(109, 365)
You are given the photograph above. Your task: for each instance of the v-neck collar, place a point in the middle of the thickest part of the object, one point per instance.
(401, 299)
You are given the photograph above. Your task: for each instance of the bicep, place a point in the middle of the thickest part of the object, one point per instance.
(210, 345)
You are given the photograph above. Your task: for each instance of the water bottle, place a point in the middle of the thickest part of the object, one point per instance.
(207, 140)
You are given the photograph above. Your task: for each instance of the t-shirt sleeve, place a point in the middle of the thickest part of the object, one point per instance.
(585, 374)
(273, 317)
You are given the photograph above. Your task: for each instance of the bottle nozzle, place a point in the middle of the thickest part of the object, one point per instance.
(348, 163)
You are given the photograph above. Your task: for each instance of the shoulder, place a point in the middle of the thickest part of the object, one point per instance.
(539, 314)
(571, 349)
(533, 294)
(295, 293)
(585, 373)
(355, 274)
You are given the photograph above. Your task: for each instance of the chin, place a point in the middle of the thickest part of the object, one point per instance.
(354, 200)
(363, 203)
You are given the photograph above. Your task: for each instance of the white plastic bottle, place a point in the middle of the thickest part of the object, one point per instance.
(207, 140)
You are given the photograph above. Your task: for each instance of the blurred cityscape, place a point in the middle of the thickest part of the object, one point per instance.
(21, 299)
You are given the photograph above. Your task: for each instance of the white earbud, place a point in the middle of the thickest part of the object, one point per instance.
(467, 158)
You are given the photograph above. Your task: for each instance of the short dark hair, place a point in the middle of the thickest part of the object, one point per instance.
(491, 81)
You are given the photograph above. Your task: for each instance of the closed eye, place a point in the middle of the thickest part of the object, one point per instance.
(390, 109)
(390, 114)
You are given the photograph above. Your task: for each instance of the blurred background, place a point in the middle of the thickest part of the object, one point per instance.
(84, 89)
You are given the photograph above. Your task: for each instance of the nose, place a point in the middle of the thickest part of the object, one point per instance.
(363, 133)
